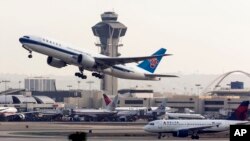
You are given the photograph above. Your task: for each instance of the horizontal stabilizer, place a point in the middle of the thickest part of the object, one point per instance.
(160, 75)
(111, 61)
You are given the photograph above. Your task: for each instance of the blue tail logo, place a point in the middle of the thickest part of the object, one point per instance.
(241, 112)
(151, 64)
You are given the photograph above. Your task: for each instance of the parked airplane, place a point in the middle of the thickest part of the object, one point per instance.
(184, 116)
(184, 128)
(131, 113)
(60, 55)
(168, 113)
(107, 101)
(97, 113)
(10, 112)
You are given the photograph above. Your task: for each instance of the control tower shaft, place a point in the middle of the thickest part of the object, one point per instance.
(109, 31)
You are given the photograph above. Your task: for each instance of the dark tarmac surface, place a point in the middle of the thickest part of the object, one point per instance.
(59, 131)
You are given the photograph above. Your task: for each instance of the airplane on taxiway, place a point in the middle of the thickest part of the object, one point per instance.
(184, 128)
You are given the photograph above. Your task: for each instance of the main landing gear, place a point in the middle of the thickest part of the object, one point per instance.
(80, 74)
(195, 137)
(100, 76)
(159, 136)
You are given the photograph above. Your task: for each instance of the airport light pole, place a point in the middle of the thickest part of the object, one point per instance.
(5, 87)
(19, 83)
(173, 91)
(90, 92)
(90, 84)
(198, 87)
(78, 84)
(185, 90)
(69, 86)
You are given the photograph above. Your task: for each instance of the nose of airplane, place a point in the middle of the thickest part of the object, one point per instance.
(23, 39)
(146, 128)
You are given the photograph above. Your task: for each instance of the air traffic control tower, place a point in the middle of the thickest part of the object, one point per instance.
(109, 31)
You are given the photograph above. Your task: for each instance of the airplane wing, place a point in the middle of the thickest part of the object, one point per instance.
(160, 75)
(111, 61)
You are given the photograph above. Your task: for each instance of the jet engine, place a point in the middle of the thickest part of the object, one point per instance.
(181, 133)
(54, 62)
(21, 116)
(86, 61)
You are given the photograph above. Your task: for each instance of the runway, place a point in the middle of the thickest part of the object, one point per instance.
(59, 131)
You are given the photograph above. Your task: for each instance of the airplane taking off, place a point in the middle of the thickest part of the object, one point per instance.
(60, 55)
(184, 128)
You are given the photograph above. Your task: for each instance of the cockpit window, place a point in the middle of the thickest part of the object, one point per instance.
(151, 124)
(26, 37)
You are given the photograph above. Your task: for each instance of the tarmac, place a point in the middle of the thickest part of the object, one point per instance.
(60, 131)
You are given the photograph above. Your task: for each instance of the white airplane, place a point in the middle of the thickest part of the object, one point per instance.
(169, 114)
(184, 128)
(60, 55)
(184, 116)
(132, 112)
(119, 109)
(6, 112)
(98, 113)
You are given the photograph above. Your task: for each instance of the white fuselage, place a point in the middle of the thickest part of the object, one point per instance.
(170, 126)
(69, 56)
(138, 108)
(184, 116)
(7, 111)
(92, 112)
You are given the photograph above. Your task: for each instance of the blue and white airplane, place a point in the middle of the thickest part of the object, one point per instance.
(184, 128)
(60, 55)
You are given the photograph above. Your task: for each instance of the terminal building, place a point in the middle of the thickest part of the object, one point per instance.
(27, 103)
(217, 101)
(40, 84)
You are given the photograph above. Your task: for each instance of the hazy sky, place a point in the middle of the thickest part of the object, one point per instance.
(207, 37)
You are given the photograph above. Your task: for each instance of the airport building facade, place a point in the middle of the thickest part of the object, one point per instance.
(207, 104)
(40, 84)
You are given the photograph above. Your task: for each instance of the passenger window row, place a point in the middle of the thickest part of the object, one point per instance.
(51, 42)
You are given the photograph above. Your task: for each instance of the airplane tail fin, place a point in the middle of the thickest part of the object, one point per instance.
(106, 99)
(151, 64)
(112, 105)
(162, 107)
(241, 112)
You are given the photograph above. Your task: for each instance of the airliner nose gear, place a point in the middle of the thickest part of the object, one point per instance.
(30, 55)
